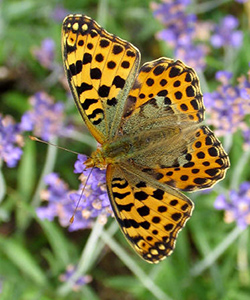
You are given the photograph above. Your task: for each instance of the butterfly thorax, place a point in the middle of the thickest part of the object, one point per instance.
(109, 153)
(128, 148)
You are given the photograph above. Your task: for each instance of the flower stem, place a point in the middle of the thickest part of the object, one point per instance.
(215, 254)
(228, 142)
(85, 259)
(80, 137)
(48, 168)
(2, 183)
(203, 82)
(243, 161)
(99, 248)
(102, 12)
(201, 8)
(133, 266)
(242, 259)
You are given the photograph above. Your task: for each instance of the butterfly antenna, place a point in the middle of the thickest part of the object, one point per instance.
(33, 138)
(73, 216)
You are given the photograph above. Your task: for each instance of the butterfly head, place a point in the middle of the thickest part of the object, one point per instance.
(97, 160)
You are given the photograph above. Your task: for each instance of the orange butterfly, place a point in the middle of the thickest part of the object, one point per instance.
(148, 123)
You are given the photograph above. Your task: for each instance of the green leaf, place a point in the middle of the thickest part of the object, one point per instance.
(58, 242)
(27, 172)
(25, 181)
(19, 256)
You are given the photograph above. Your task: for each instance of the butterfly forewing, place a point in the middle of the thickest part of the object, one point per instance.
(100, 69)
(164, 88)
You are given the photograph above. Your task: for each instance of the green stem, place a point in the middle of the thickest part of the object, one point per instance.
(2, 183)
(201, 8)
(48, 168)
(80, 137)
(100, 246)
(242, 259)
(215, 254)
(230, 58)
(243, 161)
(2, 23)
(85, 259)
(203, 82)
(228, 142)
(147, 282)
(102, 12)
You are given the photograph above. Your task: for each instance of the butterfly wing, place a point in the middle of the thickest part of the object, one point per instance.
(202, 163)
(162, 116)
(100, 68)
(149, 214)
(164, 88)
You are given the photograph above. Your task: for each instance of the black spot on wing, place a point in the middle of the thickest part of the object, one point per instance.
(88, 102)
(126, 207)
(96, 116)
(76, 68)
(121, 195)
(143, 211)
(83, 87)
(116, 182)
(112, 102)
(118, 82)
(103, 91)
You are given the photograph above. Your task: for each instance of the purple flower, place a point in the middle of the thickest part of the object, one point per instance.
(237, 208)
(56, 196)
(59, 13)
(244, 86)
(45, 118)
(246, 136)
(225, 33)
(46, 53)
(92, 201)
(193, 55)
(82, 280)
(241, 1)
(228, 105)
(79, 164)
(176, 33)
(10, 141)
(180, 31)
(224, 77)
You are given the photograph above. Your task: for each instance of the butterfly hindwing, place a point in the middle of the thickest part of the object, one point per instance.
(203, 163)
(101, 69)
(150, 216)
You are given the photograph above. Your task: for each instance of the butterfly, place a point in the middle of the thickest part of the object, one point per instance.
(149, 124)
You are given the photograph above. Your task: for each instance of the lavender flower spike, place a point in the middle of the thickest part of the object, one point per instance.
(82, 280)
(46, 53)
(237, 208)
(61, 202)
(45, 118)
(10, 141)
(225, 33)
